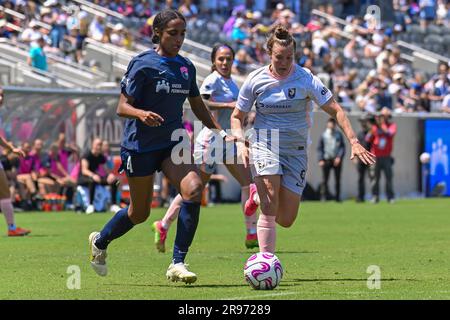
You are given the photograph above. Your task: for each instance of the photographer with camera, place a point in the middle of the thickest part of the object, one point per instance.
(366, 121)
(381, 137)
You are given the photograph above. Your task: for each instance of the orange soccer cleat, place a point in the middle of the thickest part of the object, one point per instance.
(18, 232)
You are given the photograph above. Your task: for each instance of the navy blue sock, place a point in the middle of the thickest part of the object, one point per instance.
(115, 228)
(186, 227)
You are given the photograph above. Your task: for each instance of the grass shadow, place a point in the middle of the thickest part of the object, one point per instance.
(344, 280)
(180, 285)
(296, 252)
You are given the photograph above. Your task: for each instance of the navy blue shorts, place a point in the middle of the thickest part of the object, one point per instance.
(136, 164)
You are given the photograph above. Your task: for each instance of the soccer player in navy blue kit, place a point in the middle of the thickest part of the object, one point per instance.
(153, 91)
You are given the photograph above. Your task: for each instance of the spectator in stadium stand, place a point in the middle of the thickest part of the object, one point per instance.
(349, 8)
(128, 9)
(147, 30)
(438, 86)
(366, 123)
(106, 38)
(277, 12)
(30, 10)
(240, 31)
(37, 57)
(241, 62)
(168, 4)
(331, 150)
(401, 13)
(117, 34)
(31, 33)
(89, 176)
(4, 32)
(82, 17)
(443, 13)
(428, 10)
(143, 10)
(116, 6)
(383, 98)
(412, 100)
(188, 9)
(238, 12)
(381, 138)
(128, 40)
(399, 90)
(259, 28)
(97, 28)
(58, 23)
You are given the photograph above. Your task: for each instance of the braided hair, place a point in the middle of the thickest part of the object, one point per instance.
(162, 19)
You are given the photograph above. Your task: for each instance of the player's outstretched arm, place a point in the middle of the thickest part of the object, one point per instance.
(335, 110)
(12, 148)
(125, 109)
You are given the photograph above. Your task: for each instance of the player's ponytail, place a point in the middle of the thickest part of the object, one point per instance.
(161, 20)
(282, 36)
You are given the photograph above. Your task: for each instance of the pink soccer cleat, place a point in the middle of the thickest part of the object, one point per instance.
(251, 206)
(160, 236)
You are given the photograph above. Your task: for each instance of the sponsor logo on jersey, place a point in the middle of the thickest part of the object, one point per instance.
(274, 106)
(162, 85)
(178, 89)
(260, 165)
(291, 93)
(324, 91)
(184, 73)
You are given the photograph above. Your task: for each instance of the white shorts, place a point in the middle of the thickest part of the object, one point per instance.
(211, 150)
(292, 166)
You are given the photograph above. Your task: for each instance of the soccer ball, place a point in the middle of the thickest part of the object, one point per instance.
(424, 157)
(263, 271)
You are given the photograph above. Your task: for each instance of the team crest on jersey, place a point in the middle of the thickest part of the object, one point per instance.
(291, 93)
(184, 73)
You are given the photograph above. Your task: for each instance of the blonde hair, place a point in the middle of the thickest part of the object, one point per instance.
(281, 36)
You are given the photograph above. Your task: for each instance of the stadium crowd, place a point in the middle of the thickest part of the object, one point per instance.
(360, 62)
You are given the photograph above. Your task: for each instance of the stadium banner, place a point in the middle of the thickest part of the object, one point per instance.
(436, 144)
(32, 113)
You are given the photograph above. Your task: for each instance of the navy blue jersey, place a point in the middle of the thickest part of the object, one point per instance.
(161, 85)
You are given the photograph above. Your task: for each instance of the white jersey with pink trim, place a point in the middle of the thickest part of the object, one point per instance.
(283, 104)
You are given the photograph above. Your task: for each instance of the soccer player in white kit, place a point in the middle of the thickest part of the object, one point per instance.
(220, 93)
(5, 197)
(282, 93)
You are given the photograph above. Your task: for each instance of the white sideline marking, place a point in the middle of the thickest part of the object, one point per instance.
(261, 296)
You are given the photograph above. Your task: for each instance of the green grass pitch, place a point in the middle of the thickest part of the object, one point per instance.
(325, 255)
